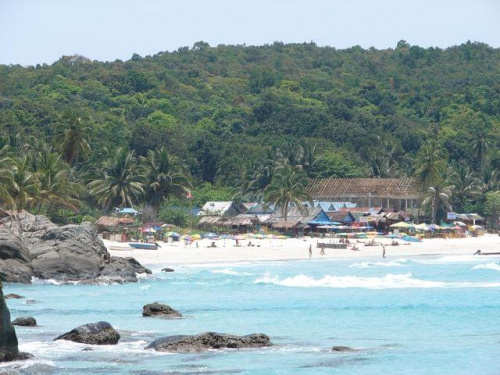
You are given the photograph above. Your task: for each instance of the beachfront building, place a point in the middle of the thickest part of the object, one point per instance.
(390, 193)
(214, 213)
(298, 221)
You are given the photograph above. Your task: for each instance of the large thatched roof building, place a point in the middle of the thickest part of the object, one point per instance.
(390, 193)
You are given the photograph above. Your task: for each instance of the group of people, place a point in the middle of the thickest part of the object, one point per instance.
(321, 252)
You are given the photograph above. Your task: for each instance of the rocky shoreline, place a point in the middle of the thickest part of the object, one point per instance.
(32, 246)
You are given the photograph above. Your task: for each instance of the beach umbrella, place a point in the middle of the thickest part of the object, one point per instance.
(226, 237)
(435, 227)
(210, 236)
(422, 227)
(148, 230)
(172, 234)
(196, 236)
(258, 236)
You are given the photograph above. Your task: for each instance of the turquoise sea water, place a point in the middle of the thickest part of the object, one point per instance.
(420, 315)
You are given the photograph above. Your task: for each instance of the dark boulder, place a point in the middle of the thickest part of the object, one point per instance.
(208, 340)
(100, 333)
(13, 296)
(25, 321)
(33, 246)
(9, 350)
(160, 310)
(166, 269)
(340, 348)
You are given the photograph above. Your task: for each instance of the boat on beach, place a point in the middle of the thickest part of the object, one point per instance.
(121, 248)
(143, 245)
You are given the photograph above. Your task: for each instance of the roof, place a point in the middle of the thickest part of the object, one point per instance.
(261, 209)
(220, 208)
(294, 215)
(329, 189)
(370, 210)
(333, 206)
(112, 221)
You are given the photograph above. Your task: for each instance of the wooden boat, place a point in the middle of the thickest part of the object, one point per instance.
(143, 245)
(481, 253)
(121, 248)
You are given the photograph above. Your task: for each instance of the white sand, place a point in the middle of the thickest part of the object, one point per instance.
(292, 249)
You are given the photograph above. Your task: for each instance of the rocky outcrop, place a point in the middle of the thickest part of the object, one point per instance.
(209, 340)
(25, 321)
(13, 296)
(160, 310)
(9, 350)
(343, 349)
(100, 333)
(32, 246)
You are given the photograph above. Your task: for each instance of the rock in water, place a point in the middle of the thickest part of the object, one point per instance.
(343, 349)
(166, 269)
(25, 321)
(9, 350)
(160, 310)
(100, 333)
(33, 246)
(208, 340)
(13, 296)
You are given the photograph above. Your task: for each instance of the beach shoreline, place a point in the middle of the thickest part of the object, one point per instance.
(178, 253)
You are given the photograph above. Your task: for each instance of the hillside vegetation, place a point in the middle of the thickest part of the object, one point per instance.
(232, 116)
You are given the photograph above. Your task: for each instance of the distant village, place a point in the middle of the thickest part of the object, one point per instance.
(360, 204)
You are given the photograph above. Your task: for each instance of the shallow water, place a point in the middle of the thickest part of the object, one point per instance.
(424, 315)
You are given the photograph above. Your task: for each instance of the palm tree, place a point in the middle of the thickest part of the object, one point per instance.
(23, 186)
(466, 186)
(429, 163)
(56, 187)
(120, 184)
(438, 197)
(287, 188)
(164, 176)
(259, 175)
(479, 142)
(72, 137)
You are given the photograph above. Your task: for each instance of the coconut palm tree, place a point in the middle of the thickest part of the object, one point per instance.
(72, 137)
(438, 197)
(429, 163)
(466, 186)
(120, 184)
(23, 186)
(164, 176)
(480, 141)
(56, 187)
(287, 188)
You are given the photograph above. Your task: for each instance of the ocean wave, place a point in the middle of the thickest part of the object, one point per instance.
(448, 259)
(229, 271)
(392, 263)
(389, 281)
(487, 266)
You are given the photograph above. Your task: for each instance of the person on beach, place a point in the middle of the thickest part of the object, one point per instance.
(310, 251)
(322, 252)
(383, 251)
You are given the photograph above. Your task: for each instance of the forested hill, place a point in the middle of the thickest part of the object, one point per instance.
(364, 112)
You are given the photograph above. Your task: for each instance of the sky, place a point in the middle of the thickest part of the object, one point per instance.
(42, 31)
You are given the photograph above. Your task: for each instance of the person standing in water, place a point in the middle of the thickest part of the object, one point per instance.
(383, 251)
(322, 252)
(310, 251)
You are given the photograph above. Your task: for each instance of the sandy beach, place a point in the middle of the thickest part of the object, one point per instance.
(295, 249)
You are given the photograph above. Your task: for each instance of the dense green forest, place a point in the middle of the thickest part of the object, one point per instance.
(224, 121)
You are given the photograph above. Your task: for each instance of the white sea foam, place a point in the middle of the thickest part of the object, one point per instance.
(392, 263)
(145, 287)
(487, 266)
(389, 281)
(229, 271)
